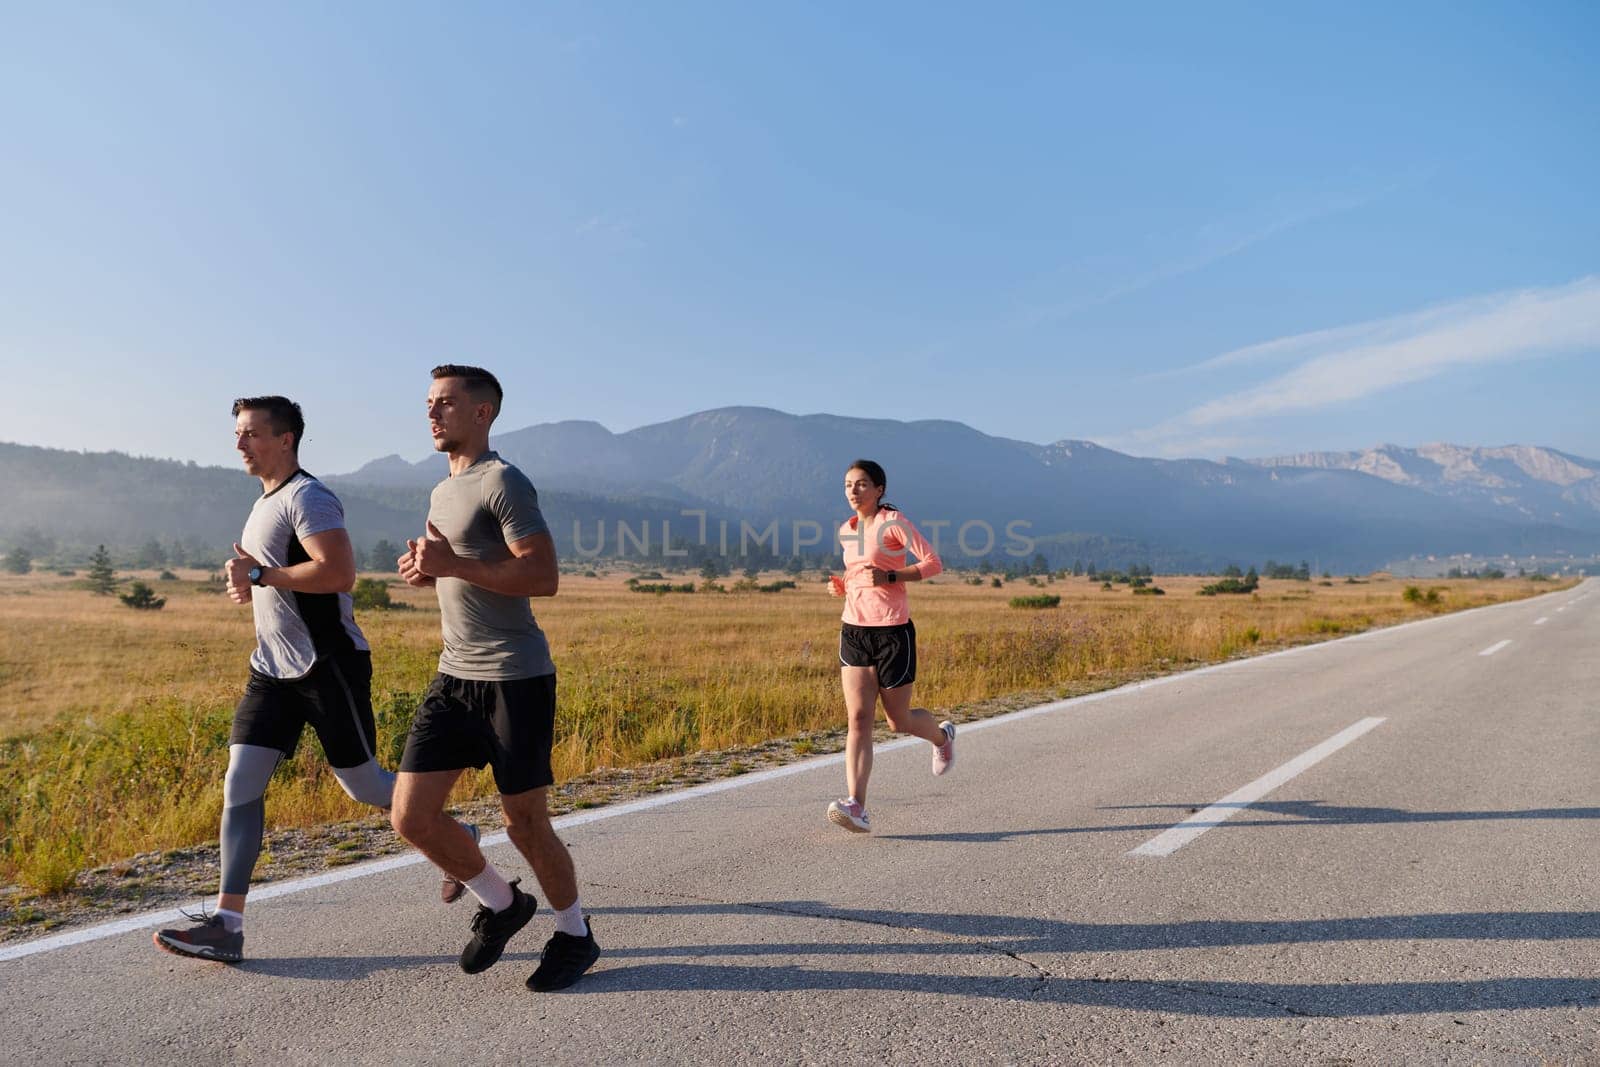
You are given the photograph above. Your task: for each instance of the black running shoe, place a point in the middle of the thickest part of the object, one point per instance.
(492, 929)
(207, 939)
(565, 959)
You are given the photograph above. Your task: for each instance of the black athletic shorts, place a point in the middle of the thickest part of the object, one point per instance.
(508, 726)
(891, 649)
(335, 697)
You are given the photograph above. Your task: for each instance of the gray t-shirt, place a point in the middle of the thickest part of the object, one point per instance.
(488, 636)
(293, 630)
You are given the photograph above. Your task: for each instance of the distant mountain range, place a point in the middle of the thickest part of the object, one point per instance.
(1538, 484)
(1071, 500)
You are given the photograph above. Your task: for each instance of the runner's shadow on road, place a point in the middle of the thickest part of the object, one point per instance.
(1022, 935)
(1010, 941)
(1300, 812)
(1296, 812)
(345, 968)
(1175, 996)
(995, 837)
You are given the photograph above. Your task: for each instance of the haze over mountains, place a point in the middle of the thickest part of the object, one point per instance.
(1071, 499)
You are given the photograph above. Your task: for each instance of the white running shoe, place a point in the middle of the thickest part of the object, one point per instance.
(850, 815)
(944, 755)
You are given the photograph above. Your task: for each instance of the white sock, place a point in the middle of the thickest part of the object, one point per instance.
(569, 920)
(492, 891)
(232, 921)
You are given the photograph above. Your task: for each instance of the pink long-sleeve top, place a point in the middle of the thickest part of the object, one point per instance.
(881, 542)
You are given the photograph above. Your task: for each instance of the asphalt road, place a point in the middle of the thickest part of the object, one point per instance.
(1420, 888)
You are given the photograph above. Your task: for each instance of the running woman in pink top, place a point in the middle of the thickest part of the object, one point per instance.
(878, 643)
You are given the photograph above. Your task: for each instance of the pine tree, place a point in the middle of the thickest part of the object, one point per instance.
(102, 576)
(383, 555)
(18, 561)
(152, 554)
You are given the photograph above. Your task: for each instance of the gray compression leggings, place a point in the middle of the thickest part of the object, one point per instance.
(244, 806)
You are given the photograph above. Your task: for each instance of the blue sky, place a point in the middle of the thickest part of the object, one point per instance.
(1188, 230)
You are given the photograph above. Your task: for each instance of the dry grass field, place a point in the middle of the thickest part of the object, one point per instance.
(114, 722)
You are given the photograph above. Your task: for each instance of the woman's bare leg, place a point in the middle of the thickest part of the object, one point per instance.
(861, 703)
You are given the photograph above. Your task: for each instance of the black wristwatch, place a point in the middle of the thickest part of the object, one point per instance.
(255, 575)
(894, 576)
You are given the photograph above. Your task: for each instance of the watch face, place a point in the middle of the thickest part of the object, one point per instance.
(255, 575)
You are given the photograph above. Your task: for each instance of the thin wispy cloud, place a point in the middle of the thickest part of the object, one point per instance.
(1346, 364)
(609, 226)
(1213, 243)
(1089, 285)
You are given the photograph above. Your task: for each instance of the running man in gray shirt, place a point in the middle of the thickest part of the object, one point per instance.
(294, 566)
(486, 551)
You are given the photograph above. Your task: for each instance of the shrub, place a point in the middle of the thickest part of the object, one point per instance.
(372, 594)
(1412, 595)
(168, 576)
(1231, 585)
(996, 583)
(661, 587)
(141, 597)
(1149, 590)
(1043, 600)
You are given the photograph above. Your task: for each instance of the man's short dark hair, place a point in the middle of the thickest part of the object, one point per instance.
(480, 383)
(283, 413)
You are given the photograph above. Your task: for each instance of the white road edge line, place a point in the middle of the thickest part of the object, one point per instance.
(1496, 647)
(1169, 841)
(361, 870)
